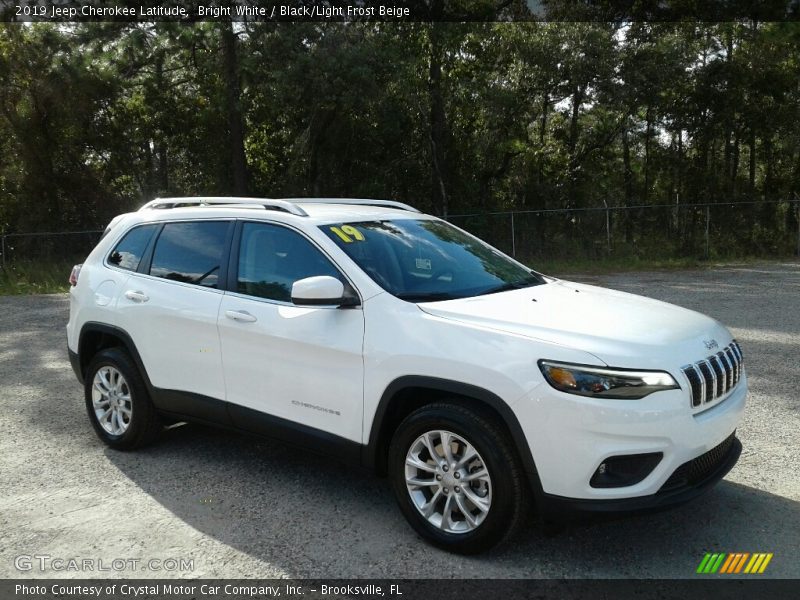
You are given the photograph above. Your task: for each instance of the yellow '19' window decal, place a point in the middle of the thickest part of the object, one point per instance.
(342, 235)
(348, 233)
(350, 230)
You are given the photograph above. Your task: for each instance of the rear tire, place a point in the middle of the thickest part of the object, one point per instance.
(117, 401)
(457, 477)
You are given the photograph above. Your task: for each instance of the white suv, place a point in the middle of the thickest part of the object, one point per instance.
(366, 330)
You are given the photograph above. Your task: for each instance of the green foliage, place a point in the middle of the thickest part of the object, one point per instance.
(96, 119)
(35, 277)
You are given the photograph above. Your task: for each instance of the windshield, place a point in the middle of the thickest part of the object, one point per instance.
(424, 260)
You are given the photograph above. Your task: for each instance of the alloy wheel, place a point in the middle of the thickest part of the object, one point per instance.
(111, 400)
(448, 481)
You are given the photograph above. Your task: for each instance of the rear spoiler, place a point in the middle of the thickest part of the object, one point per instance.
(111, 225)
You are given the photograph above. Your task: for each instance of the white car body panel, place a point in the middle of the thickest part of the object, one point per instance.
(298, 363)
(621, 329)
(175, 332)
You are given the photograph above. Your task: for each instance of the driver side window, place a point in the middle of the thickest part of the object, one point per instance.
(272, 258)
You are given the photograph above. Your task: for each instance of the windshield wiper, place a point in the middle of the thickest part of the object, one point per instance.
(425, 296)
(507, 287)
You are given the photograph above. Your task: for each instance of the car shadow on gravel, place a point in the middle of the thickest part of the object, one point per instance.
(314, 517)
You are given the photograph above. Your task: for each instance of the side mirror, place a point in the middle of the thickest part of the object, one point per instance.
(321, 290)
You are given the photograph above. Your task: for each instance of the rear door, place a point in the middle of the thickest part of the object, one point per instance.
(299, 364)
(169, 307)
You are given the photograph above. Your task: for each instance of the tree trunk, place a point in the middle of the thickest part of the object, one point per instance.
(728, 159)
(438, 122)
(163, 168)
(729, 181)
(735, 165)
(542, 132)
(149, 182)
(160, 171)
(752, 173)
(648, 133)
(768, 170)
(572, 144)
(238, 162)
(628, 183)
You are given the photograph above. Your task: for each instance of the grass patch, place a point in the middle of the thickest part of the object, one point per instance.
(560, 266)
(45, 277)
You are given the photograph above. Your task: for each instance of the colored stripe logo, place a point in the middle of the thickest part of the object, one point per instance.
(734, 563)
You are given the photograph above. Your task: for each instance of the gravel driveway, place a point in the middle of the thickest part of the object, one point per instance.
(242, 507)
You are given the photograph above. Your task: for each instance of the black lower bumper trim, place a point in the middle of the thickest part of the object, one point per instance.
(559, 507)
(75, 361)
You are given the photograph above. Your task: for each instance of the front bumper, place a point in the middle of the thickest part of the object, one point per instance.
(554, 508)
(570, 436)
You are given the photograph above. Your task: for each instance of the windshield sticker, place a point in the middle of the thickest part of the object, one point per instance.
(348, 233)
(424, 263)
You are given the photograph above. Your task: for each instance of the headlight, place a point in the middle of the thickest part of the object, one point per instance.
(598, 382)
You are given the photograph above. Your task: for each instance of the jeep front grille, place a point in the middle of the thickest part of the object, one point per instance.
(714, 376)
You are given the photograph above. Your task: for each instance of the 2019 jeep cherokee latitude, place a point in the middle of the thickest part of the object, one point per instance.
(367, 330)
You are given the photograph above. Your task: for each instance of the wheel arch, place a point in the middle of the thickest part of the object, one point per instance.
(406, 394)
(95, 337)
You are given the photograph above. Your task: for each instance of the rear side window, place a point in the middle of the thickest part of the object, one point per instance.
(190, 252)
(127, 254)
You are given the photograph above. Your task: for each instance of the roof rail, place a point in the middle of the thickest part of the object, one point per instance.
(289, 205)
(355, 201)
(267, 203)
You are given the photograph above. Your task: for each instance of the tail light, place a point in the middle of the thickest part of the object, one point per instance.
(73, 276)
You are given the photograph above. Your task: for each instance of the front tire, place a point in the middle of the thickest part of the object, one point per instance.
(457, 477)
(117, 401)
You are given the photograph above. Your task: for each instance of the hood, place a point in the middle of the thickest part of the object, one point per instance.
(621, 329)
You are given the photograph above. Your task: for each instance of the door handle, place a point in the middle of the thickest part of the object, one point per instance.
(137, 296)
(240, 315)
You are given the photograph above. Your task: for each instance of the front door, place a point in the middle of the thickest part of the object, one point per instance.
(301, 365)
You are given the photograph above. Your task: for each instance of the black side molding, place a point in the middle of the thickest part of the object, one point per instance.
(187, 406)
(295, 434)
(194, 406)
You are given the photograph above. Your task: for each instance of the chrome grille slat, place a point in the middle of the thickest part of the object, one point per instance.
(702, 384)
(728, 370)
(741, 356)
(719, 376)
(715, 376)
(705, 369)
(699, 399)
(734, 363)
(722, 388)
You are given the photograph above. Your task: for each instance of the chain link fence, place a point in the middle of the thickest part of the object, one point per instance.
(47, 247)
(702, 231)
(650, 232)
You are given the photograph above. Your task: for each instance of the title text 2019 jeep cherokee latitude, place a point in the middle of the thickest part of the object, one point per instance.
(390, 338)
